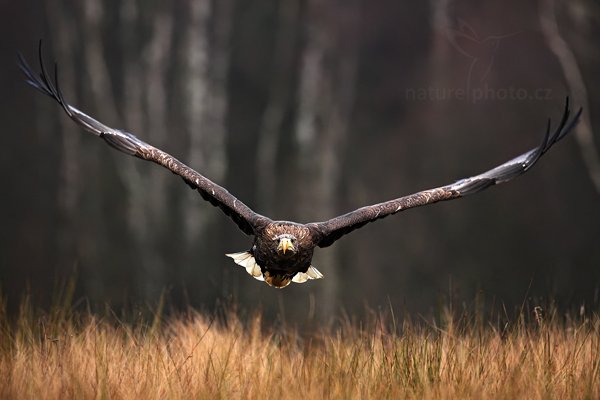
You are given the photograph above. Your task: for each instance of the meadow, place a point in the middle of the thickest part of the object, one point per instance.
(67, 355)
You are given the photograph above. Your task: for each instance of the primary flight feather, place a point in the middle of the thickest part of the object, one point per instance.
(282, 250)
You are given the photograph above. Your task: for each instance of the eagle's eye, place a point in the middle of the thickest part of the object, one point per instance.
(286, 245)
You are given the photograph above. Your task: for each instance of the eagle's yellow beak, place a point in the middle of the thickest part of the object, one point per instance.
(285, 244)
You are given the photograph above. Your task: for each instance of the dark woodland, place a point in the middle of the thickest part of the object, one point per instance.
(304, 110)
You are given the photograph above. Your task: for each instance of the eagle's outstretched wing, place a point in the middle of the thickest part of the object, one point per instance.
(246, 219)
(329, 231)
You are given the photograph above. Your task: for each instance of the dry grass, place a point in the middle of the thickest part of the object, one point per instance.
(61, 357)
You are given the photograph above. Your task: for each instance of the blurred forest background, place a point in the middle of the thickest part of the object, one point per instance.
(303, 109)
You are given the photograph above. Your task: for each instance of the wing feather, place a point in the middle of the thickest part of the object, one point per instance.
(246, 219)
(327, 232)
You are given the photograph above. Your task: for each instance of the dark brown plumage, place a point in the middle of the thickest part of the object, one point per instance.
(282, 251)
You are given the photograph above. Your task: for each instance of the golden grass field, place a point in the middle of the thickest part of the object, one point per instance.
(59, 356)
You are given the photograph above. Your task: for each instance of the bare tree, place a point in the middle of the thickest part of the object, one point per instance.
(155, 56)
(205, 87)
(568, 62)
(440, 24)
(280, 88)
(69, 184)
(326, 100)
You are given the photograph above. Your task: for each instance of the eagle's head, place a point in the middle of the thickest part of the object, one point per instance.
(286, 245)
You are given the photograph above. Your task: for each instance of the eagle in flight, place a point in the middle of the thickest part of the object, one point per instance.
(282, 250)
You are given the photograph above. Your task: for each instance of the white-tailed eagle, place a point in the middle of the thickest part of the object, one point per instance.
(282, 250)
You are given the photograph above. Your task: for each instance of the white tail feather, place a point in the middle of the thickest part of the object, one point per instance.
(246, 260)
(311, 273)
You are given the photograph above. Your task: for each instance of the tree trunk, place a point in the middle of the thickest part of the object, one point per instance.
(326, 98)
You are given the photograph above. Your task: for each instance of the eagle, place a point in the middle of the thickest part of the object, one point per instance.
(282, 251)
